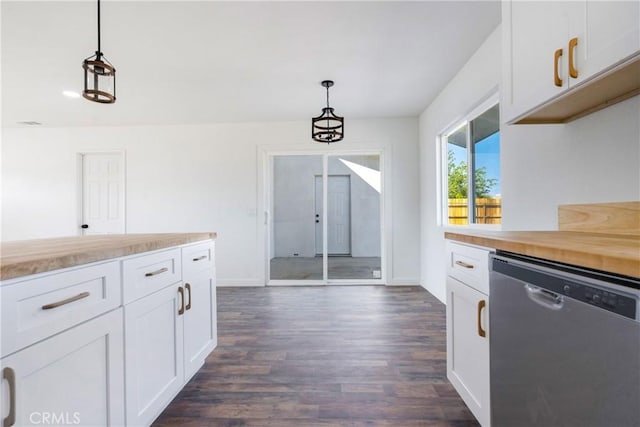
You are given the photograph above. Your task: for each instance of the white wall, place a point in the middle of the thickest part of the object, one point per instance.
(590, 160)
(194, 178)
(593, 159)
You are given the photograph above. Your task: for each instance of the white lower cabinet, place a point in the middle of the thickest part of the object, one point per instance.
(168, 334)
(74, 377)
(200, 331)
(468, 327)
(154, 354)
(467, 347)
(106, 344)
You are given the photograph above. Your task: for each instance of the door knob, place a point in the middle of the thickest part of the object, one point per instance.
(84, 226)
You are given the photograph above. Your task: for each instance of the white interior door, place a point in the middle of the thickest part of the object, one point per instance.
(102, 193)
(338, 215)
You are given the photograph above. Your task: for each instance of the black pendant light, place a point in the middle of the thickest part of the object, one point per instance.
(327, 127)
(99, 76)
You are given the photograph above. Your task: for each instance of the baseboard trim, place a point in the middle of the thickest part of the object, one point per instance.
(404, 281)
(232, 283)
(239, 283)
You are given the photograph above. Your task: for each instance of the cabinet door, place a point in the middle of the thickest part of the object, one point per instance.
(532, 32)
(76, 377)
(154, 353)
(200, 334)
(467, 350)
(607, 32)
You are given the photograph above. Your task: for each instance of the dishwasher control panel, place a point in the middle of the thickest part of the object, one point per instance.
(566, 282)
(608, 300)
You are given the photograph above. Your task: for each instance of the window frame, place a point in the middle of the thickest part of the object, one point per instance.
(442, 167)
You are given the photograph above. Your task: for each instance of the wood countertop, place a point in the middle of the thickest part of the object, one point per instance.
(615, 253)
(25, 257)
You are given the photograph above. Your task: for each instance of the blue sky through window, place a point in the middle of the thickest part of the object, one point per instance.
(487, 155)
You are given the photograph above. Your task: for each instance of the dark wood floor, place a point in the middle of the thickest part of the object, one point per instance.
(324, 356)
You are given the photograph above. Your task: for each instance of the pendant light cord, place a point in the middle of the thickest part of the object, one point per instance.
(99, 51)
(327, 96)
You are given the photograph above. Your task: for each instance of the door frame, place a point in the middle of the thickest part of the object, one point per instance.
(265, 204)
(80, 185)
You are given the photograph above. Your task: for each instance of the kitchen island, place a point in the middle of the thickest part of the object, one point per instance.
(23, 257)
(126, 320)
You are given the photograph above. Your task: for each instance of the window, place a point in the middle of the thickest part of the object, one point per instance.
(471, 148)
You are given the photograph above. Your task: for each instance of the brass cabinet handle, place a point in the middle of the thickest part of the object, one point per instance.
(464, 264)
(556, 77)
(65, 301)
(188, 287)
(200, 258)
(481, 305)
(155, 273)
(181, 309)
(573, 71)
(10, 375)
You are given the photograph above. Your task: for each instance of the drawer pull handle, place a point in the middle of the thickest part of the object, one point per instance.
(188, 288)
(65, 301)
(155, 273)
(181, 309)
(556, 77)
(10, 376)
(464, 264)
(200, 258)
(573, 71)
(481, 304)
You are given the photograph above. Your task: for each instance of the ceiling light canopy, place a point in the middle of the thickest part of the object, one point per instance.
(327, 127)
(99, 76)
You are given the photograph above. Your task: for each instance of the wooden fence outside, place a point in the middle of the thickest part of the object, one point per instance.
(488, 211)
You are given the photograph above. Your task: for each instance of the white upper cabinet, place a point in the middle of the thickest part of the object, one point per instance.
(551, 48)
(538, 30)
(607, 32)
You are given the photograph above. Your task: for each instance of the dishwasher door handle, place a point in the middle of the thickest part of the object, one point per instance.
(544, 298)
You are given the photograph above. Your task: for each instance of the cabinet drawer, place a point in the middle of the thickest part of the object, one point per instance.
(145, 274)
(198, 257)
(39, 307)
(469, 264)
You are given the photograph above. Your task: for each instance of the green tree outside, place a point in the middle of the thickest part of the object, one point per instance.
(457, 179)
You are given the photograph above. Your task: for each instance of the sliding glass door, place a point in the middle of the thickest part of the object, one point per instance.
(326, 222)
(353, 217)
(295, 215)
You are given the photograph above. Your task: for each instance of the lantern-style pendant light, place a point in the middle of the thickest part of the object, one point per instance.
(327, 127)
(99, 76)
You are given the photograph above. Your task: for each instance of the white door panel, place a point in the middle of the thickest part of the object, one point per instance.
(338, 215)
(102, 193)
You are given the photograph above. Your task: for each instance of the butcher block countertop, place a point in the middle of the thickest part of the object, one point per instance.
(615, 253)
(24, 257)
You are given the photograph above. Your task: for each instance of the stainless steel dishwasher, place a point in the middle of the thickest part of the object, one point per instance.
(564, 345)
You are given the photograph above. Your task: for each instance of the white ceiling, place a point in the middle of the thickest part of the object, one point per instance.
(183, 62)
